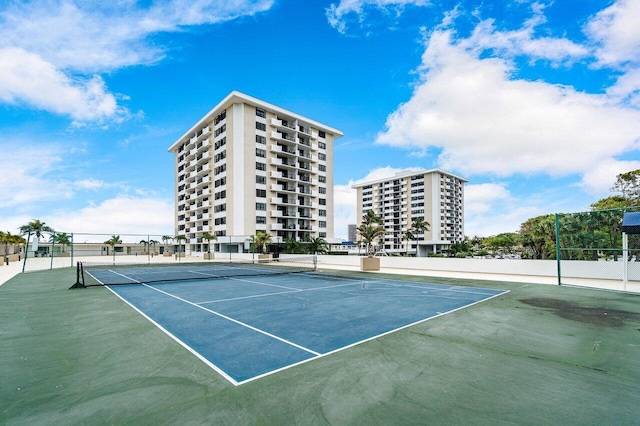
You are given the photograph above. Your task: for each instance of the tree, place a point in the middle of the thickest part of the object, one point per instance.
(408, 236)
(166, 239)
(208, 236)
(145, 243)
(371, 218)
(61, 238)
(153, 243)
(317, 245)
(539, 236)
(260, 241)
(369, 233)
(115, 239)
(7, 238)
(292, 246)
(370, 229)
(35, 227)
(629, 185)
(179, 239)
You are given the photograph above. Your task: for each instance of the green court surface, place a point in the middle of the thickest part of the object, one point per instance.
(539, 354)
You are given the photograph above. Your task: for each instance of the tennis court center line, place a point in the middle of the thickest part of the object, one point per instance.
(266, 333)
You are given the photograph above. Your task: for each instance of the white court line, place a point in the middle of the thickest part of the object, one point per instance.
(273, 336)
(298, 290)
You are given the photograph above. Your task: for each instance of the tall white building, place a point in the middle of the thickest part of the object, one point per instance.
(434, 195)
(249, 166)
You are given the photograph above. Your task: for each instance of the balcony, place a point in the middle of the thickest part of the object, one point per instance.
(281, 149)
(284, 162)
(283, 188)
(288, 124)
(281, 201)
(280, 213)
(281, 175)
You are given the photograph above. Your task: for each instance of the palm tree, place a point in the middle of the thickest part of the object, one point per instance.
(153, 243)
(37, 228)
(409, 237)
(292, 246)
(208, 236)
(317, 245)
(61, 238)
(371, 218)
(260, 241)
(115, 239)
(180, 238)
(165, 240)
(369, 233)
(145, 243)
(7, 238)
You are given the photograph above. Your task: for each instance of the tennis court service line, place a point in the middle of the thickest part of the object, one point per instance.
(294, 290)
(266, 333)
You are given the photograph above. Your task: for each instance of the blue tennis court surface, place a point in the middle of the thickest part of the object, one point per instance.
(248, 327)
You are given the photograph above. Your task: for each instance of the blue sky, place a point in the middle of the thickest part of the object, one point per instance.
(537, 104)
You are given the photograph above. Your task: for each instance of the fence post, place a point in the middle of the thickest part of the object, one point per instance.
(625, 260)
(558, 248)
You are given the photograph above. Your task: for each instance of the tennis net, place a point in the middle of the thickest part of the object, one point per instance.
(97, 274)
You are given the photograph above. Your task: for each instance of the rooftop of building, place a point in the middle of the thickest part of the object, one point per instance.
(408, 173)
(238, 97)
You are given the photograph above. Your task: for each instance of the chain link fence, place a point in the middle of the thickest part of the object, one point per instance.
(590, 250)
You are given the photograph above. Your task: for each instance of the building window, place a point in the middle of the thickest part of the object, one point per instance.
(322, 224)
(261, 139)
(220, 156)
(220, 129)
(220, 182)
(221, 221)
(322, 213)
(261, 166)
(261, 180)
(221, 142)
(323, 234)
(322, 145)
(221, 195)
(322, 156)
(261, 219)
(261, 206)
(322, 134)
(220, 169)
(322, 168)
(220, 208)
(261, 113)
(261, 193)
(261, 153)
(323, 202)
(322, 190)
(261, 126)
(322, 179)
(220, 117)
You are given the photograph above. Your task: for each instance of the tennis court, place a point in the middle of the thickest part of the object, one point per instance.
(250, 321)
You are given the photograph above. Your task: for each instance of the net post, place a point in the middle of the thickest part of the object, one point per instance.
(79, 277)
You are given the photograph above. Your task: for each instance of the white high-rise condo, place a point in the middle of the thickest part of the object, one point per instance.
(434, 195)
(250, 166)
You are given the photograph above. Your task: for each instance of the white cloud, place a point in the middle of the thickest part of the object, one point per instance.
(338, 14)
(345, 202)
(616, 32)
(59, 46)
(120, 215)
(485, 121)
(523, 41)
(25, 78)
(482, 198)
(25, 176)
